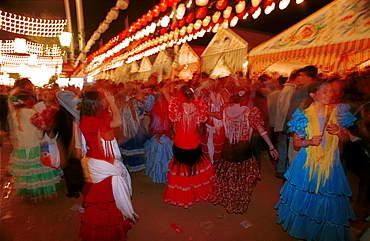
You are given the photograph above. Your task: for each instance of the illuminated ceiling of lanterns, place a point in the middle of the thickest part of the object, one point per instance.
(177, 21)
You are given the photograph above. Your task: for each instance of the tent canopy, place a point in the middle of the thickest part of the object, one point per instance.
(336, 39)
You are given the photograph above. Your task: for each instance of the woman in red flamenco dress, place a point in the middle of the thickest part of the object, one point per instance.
(190, 172)
(107, 195)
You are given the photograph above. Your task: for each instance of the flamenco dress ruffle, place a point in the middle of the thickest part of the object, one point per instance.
(102, 220)
(157, 157)
(233, 184)
(32, 178)
(186, 187)
(133, 151)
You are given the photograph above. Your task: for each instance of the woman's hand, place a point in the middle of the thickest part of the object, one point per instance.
(333, 129)
(315, 141)
(274, 153)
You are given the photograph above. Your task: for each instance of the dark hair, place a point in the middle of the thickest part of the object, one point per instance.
(22, 82)
(24, 99)
(309, 70)
(312, 88)
(92, 103)
(188, 92)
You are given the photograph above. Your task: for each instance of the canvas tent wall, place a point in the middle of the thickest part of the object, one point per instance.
(336, 39)
(190, 56)
(162, 64)
(228, 50)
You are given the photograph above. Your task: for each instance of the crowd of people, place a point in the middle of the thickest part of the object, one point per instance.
(203, 139)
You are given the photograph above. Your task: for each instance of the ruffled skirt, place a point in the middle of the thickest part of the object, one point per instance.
(189, 185)
(32, 178)
(157, 156)
(102, 220)
(310, 215)
(233, 184)
(133, 151)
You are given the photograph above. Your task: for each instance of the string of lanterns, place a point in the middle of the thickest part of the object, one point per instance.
(18, 24)
(154, 31)
(12, 46)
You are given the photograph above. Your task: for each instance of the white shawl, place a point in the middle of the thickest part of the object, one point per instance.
(121, 183)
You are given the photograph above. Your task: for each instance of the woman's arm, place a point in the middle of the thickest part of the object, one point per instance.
(302, 142)
(117, 119)
(274, 153)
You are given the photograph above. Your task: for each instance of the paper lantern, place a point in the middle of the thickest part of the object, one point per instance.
(234, 21)
(257, 13)
(190, 18)
(206, 21)
(181, 23)
(201, 3)
(189, 28)
(221, 4)
(180, 12)
(162, 7)
(216, 16)
(240, 7)
(255, 3)
(270, 8)
(174, 25)
(198, 24)
(201, 12)
(183, 31)
(165, 21)
(149, 16)
(163, 31)
(122, 4)
(156, 11)
(227, 12)
(172, 3)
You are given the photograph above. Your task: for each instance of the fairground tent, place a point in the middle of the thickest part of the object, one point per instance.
(227, 51)
(336, 39)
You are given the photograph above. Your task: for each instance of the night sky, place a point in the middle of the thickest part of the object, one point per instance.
(96, 10)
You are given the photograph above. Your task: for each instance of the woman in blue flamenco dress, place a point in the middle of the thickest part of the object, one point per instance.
(314, 201)
(134, 132)
(158, 149)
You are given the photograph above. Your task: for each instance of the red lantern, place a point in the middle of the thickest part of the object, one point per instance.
(190, 18)
(201, 12)
(181, 23)
(221, 4)
(149, 16)
(174, 26)
(144, 22)
(163, 31)
(242, 14)
(162, 7)
(172, 3)
(156, 11)
(252, 9)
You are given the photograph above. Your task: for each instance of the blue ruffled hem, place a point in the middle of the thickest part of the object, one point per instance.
(157, 156)
(308, 215)
(304, 227)
(336, 184)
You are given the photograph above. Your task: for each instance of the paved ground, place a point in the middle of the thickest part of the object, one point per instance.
(57, 220)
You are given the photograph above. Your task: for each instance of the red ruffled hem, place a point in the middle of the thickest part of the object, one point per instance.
(184, 189)
(233, 184)
(102, 220)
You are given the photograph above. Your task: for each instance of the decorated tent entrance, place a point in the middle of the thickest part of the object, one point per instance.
(336, 39)
(226, 47)
(189, 60)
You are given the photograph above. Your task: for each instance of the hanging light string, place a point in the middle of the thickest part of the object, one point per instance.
(23, 25)
(8, 47)
(214, 20)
